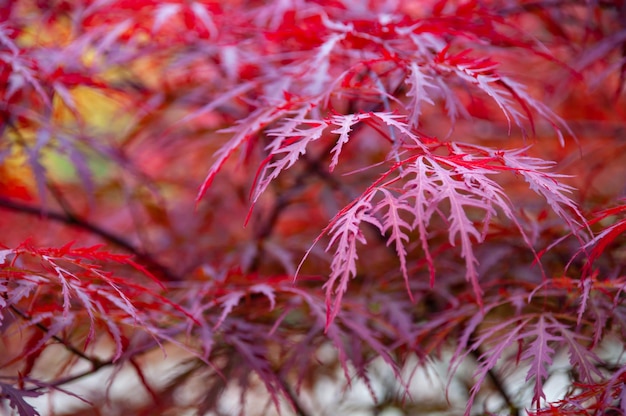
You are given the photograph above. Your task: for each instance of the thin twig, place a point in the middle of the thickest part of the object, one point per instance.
(499, 385)
(297, 407)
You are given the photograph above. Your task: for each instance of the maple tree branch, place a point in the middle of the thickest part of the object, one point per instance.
(95, 362)
(72, 220)
(285, 198)
(266, 229)
(549, 4)
(297, 407)
(96, 365)
(499, 385)
(282, 201)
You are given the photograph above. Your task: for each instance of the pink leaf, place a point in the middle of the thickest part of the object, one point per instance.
(267, 290)
(419, 82)
(497, 347)
(539, 353)
(432, 184)
(201, 12)
(228, 302)
(583, 360)
(16, 399)
(399, 122)
(344, 233)
(397, 227)
(290, 144)
(345, 123)
(243, 132)
(543, 183)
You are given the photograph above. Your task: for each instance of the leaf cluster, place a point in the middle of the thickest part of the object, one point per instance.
(247, 185)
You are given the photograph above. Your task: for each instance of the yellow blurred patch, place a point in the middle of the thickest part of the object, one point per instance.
(54, 33)
(92, 110)
(15, 172)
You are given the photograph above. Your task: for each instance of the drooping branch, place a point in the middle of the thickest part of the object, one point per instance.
(69, 219)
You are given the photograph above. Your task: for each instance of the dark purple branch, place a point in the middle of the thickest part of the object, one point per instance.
(71, 220)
